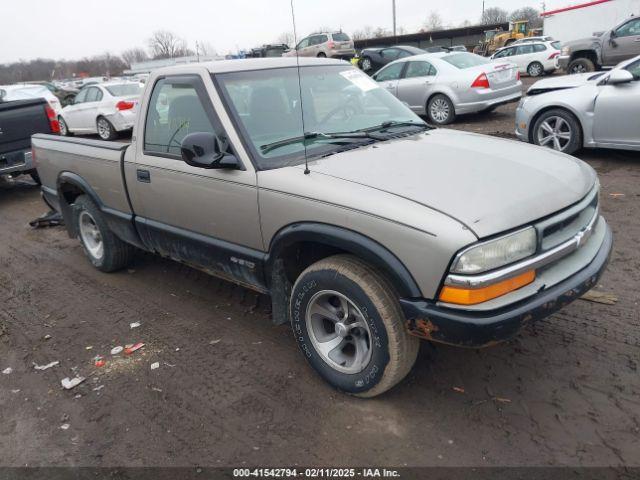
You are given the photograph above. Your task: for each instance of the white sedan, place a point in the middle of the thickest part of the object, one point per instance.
(534, 58)
(105, 109)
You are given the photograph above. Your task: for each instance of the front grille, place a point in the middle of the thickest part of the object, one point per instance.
(565, 225)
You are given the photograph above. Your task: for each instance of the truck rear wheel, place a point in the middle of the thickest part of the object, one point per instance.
(105, 251)
(581, 65)
(350, 327)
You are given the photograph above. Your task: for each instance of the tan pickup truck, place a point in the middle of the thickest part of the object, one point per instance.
(368, 228)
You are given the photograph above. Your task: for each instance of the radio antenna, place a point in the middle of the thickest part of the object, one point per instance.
(304, 131)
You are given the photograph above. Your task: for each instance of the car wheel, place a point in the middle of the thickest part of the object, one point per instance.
(105, 129)
(535, 69)
(366, 64)
(440, 110)
(350, 327)
(64, 129)
(558, 129)
(105, 251)
(581, 65)
(322, 55)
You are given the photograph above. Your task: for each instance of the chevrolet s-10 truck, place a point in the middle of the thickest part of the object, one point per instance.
(368, 228)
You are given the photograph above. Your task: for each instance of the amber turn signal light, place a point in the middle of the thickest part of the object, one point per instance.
(471, 296)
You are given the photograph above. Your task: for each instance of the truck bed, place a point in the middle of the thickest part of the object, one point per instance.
(99, 163)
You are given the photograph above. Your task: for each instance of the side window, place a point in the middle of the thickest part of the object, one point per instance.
(634, 68)
(92, 95)
(81, 96)
(390, 53)
(392, 72)
(419, 69)
(524, 49)
(539, 47)
(404, 53)
(175, 110)
(629, 29)
(321, 39)
(507, 52)
(304, 43)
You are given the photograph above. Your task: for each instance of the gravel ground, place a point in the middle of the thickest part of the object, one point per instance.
(232, 389)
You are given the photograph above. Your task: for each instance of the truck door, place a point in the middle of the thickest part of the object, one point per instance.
(622, 43)
(616, 118)
(205, 217)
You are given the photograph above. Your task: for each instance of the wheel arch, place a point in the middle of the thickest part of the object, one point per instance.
(539, 113)
(70, 186)
(296, 246)
(440, 92)
(585, 53)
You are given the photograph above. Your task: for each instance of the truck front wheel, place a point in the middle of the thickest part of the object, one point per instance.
(105, 251)
(350, 327)
(581, 65)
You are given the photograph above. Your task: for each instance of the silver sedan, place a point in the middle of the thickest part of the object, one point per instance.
(443, 85)
(589, 110)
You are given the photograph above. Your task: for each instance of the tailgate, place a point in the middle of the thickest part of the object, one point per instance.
(19, 120)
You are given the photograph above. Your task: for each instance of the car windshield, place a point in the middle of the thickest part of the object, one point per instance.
(465, 60)
(556, 44)
(265, 105)
(125, 89)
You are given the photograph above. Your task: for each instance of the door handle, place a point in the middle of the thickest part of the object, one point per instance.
(143, 176)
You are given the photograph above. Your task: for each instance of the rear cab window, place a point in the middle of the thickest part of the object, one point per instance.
(465, 60)
(178, 106)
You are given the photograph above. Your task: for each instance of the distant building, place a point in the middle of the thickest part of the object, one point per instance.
(581, 20)
(146, 67)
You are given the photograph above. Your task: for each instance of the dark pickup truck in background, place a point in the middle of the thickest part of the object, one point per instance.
(19, 120)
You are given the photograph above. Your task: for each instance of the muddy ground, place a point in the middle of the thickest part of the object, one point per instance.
(232, 389)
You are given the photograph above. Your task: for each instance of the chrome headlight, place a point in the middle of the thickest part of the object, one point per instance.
(565, 51)
(496, 253)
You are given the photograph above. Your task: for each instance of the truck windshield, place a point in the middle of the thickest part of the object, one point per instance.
(266, 107)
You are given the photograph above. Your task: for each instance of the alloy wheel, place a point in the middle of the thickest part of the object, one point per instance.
(366, 64)
(104, 129)
(338, 331)
(439, 110)
(554, 132)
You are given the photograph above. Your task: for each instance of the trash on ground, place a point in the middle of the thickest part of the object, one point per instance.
(156, 389)
(47, 366)
(15, 390)
(129, 349)
(155, 365)
(98, 388)
(134, 324)
(116, 350)
(69, 383)
(502, 400)
(458, 389)
(7, 370)
(88, 347)
(65, 426)
(600, 297)
(49, 219)
(47, 336)
(213, 342)
(616, 194)
(99, 361)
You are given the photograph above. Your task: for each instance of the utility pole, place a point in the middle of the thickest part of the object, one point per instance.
(482, 18)
(393, 7)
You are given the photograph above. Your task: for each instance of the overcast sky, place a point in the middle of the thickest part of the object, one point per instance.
(70, 30)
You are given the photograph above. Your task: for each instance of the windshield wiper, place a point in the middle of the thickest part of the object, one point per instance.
(319, 136)
(396, 123)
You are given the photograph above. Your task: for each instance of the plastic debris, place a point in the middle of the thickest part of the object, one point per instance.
(15, 390)
(616, 194)
(98, 388)
(47, 336)
(155, 365)
(69, 383)
(213, 342)
(7, 370)
(88, 347)
(129, 349)
(502, 400)
(116, 350)
(458, 389)
(99, 362)
(65, 426)
(135, 324)
(47, 366)
(49, 219)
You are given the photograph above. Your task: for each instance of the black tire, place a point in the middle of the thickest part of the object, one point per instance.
(64, 128)
(322, 55)
(35, 177)
(447, 116)
(392, 349)
(105, 129)
(575, 141)
(116, 254)
(535, 69)
(581, 65)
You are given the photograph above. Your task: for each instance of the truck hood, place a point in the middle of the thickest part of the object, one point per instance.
(488, 184)
(564, 81)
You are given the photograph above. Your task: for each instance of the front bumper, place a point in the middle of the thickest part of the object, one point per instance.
(563, 61)
(483, 328)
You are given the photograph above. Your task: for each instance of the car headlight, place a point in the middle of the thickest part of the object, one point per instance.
(496, 253)
(565, 50)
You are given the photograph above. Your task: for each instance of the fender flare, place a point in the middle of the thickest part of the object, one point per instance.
(70, 178)
(349, 241)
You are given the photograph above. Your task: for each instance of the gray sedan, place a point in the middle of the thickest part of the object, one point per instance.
(443, 85)
(590, 110)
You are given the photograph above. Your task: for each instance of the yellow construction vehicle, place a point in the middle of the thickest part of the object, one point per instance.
(498, 38)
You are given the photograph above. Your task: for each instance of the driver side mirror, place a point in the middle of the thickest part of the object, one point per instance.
(620, 76)
(206, 150)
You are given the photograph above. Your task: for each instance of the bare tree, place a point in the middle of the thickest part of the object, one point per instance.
(166, 44)
(466, 23)
(527, 13)
(366, 32)
(286, 38)
(134, 55)
(323, 29)
(206, 48)
(494, 15)
(433, 21)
